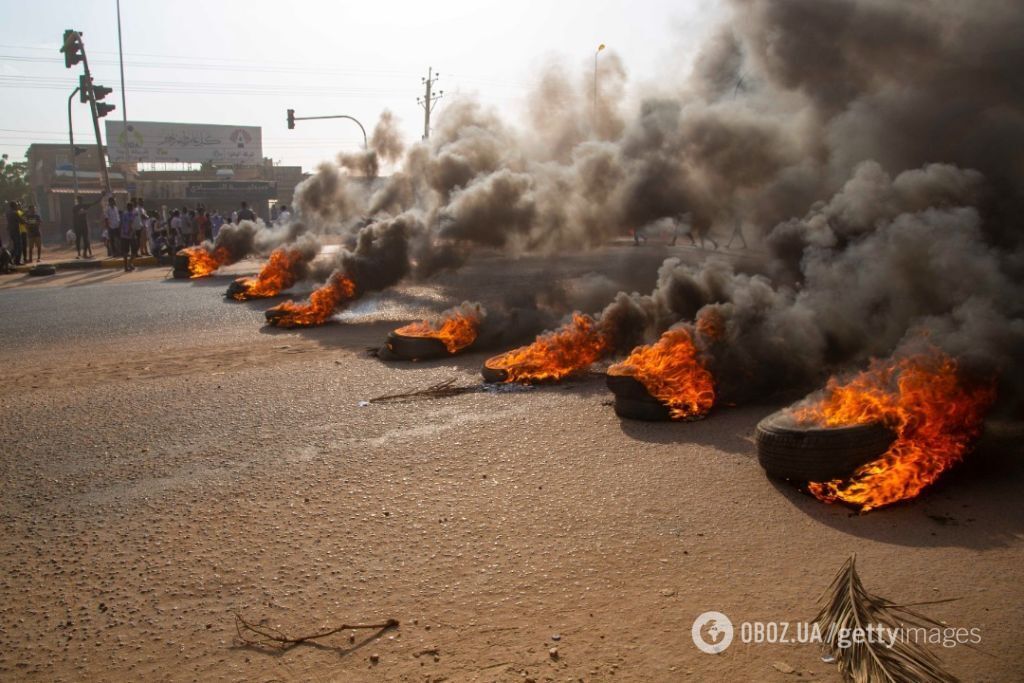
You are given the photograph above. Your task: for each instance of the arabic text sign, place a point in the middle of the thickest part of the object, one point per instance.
(184, 142)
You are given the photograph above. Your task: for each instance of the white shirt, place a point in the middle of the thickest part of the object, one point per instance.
(112, 216)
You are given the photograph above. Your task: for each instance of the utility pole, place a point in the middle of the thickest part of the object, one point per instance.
(429, 99)
(120, 59)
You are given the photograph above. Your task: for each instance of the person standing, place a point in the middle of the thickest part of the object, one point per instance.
(80, 223)
(216, 222)
(285, 216)
(14, 230)
(112, 222)
(33, 226)
(174, 232)
(125, 233)
(203, 227)
(23, 233)
(245, 213)
(141, 238)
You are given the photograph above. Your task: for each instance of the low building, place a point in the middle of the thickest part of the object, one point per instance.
(54, 181)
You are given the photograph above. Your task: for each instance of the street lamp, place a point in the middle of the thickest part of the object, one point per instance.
(599, 48)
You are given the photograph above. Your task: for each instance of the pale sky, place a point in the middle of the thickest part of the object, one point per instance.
(247, 62)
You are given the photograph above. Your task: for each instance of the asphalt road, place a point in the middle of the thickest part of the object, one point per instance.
(168, 462)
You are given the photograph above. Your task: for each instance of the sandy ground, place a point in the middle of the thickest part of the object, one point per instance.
(160, 477)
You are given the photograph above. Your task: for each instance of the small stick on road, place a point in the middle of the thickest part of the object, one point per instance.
(267, 636)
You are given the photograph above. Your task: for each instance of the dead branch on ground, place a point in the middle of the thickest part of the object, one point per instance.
(261, 635)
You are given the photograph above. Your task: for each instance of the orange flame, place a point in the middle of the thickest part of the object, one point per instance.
(935, 413)
(456, 330)
(322, 303)
(279, 273)
(554, 355)
(202, 262)
(672, 373)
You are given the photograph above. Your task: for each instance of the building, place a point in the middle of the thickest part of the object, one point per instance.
(54, 181)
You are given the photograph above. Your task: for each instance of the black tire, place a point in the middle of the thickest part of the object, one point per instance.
(633, 402)
(182, 274)
(42, 270)
(790, 451)
(233, 288)
(415, 348)
(648, 410)
(181, 261)
(493, 375)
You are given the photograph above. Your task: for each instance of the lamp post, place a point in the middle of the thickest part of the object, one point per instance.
(599, 48)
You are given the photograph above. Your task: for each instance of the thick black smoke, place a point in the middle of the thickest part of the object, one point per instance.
(873, 149)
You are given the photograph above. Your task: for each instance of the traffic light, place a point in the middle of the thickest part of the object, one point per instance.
(84, 83)
(103, 109)
(72, 48)
(99, 92)
(291, 119)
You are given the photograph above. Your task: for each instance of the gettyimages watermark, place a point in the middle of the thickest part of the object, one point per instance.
(713, 632)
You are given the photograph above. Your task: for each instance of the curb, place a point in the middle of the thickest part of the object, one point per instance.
(89, 264)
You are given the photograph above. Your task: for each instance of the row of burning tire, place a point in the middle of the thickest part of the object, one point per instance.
(868, 439)
(785, 449)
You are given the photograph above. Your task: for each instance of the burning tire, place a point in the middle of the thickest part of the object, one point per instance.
(181, 269)
(415, 348)
(632, 400)
(493, 375)
(40, 271)
(234, 288)
(788, 450)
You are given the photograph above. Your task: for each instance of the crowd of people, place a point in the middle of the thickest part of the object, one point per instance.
(126, 232)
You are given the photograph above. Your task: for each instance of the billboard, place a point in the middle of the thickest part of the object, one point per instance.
(179, 142)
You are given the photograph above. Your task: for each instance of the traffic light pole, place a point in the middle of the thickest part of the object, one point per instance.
(71, 141)
(96, 124)
(292, 118)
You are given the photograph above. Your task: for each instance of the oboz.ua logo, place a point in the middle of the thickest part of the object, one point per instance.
(712, 632)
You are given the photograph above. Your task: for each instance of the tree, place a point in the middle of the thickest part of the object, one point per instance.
(14, 181)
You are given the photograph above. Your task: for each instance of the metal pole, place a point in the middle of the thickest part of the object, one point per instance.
(96, 126)
(366, 144)
(120, 58)
(71, 141)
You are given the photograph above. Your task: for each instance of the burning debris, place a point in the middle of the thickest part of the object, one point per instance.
(935, 411)
(286, 266)
(672, 372)
(204, 261)
(322, 303)
(569, 350)
(452, 332)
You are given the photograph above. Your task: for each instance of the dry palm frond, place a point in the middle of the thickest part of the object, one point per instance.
(849, 608)
(440, 390)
